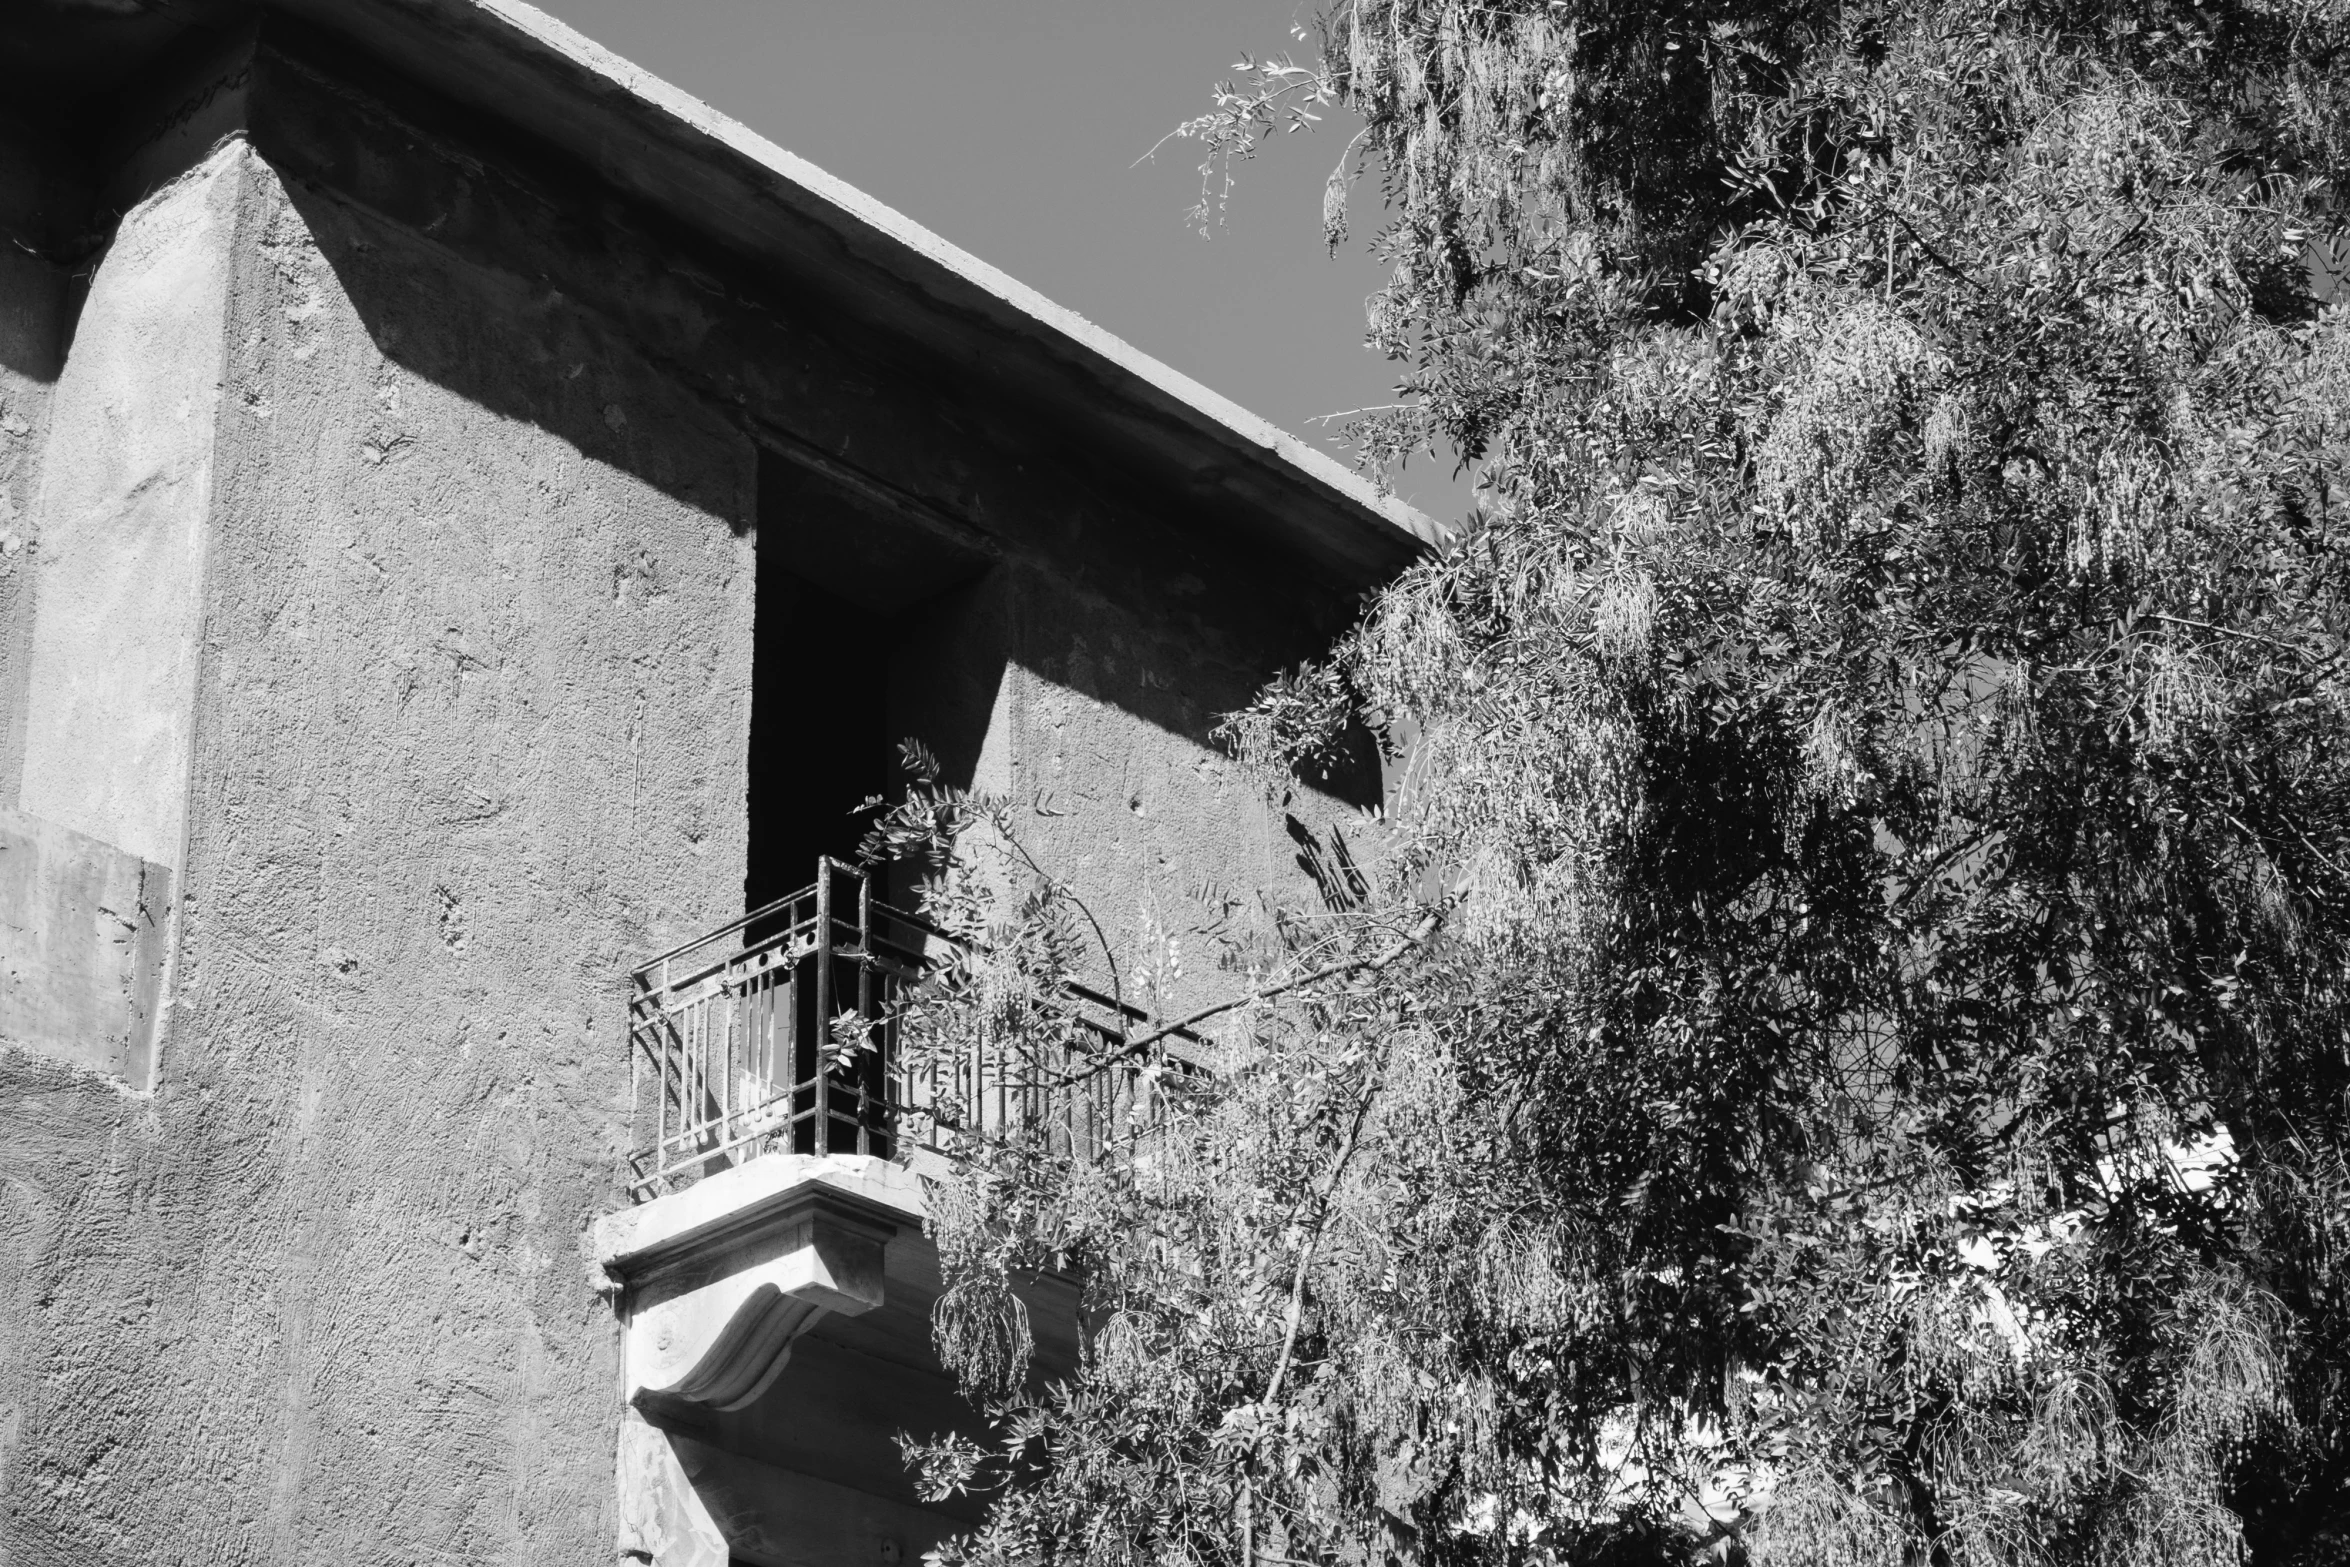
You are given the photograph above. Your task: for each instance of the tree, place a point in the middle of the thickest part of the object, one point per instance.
(1843, 1051)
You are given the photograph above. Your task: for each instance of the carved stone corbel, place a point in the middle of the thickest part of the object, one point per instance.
(716, 1284)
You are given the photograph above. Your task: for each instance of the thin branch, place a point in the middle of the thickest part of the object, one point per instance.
(1941, 863)
(1349, 413)
(1305, 1255)
(1927, 245)
(2261, 842)
(1297, 1287)
(2230, 631)
(1243, 112)
(1101, 937)
(1135, 1047)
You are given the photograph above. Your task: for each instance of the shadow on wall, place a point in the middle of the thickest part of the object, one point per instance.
(32, 302)
(871, 619)
(878, 617)
(570, 383)
(32, 309)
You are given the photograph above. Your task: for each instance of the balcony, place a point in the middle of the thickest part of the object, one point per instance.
(777, 1033)
(771, 1274)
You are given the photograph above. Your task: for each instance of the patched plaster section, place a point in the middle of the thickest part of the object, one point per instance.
(125, 493)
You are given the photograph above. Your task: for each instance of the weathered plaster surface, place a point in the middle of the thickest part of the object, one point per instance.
(1102, 731)
(1089, 665)
(82, 928)
(125, 494)
(468, 738)
(1090, 704)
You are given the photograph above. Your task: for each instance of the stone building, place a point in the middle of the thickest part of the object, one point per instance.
(474, 521)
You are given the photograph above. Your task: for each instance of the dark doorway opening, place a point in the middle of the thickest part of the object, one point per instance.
(862, 635)
(853, 640)
(820, 742)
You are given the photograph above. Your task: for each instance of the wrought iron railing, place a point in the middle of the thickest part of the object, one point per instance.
(779, 1033)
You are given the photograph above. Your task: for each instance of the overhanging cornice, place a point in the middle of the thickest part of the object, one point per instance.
(670, 152)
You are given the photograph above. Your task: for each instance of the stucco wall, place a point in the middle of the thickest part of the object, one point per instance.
(1090, 664)
(475, 606)
(1148, 618)
(1098, 727)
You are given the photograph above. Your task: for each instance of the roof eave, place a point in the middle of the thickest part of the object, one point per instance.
(669, 150)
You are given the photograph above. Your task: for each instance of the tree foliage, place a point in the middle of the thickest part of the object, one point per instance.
(1842, 1052)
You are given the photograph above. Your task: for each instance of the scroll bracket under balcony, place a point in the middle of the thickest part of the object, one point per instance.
(720, 1280)
(715, 1284)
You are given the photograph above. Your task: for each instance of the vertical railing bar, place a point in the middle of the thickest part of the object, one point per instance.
(864, 1004)
(823, 1142)
(791, 1058)
(661, 1082)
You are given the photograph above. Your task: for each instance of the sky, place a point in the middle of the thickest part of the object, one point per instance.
(1013, 129)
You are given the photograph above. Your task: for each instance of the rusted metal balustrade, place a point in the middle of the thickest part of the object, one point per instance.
(737, 1046)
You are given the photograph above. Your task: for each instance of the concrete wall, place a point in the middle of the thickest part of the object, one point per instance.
(1094, 715)
(1109, 637)
(472, 617)
(424, 520)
